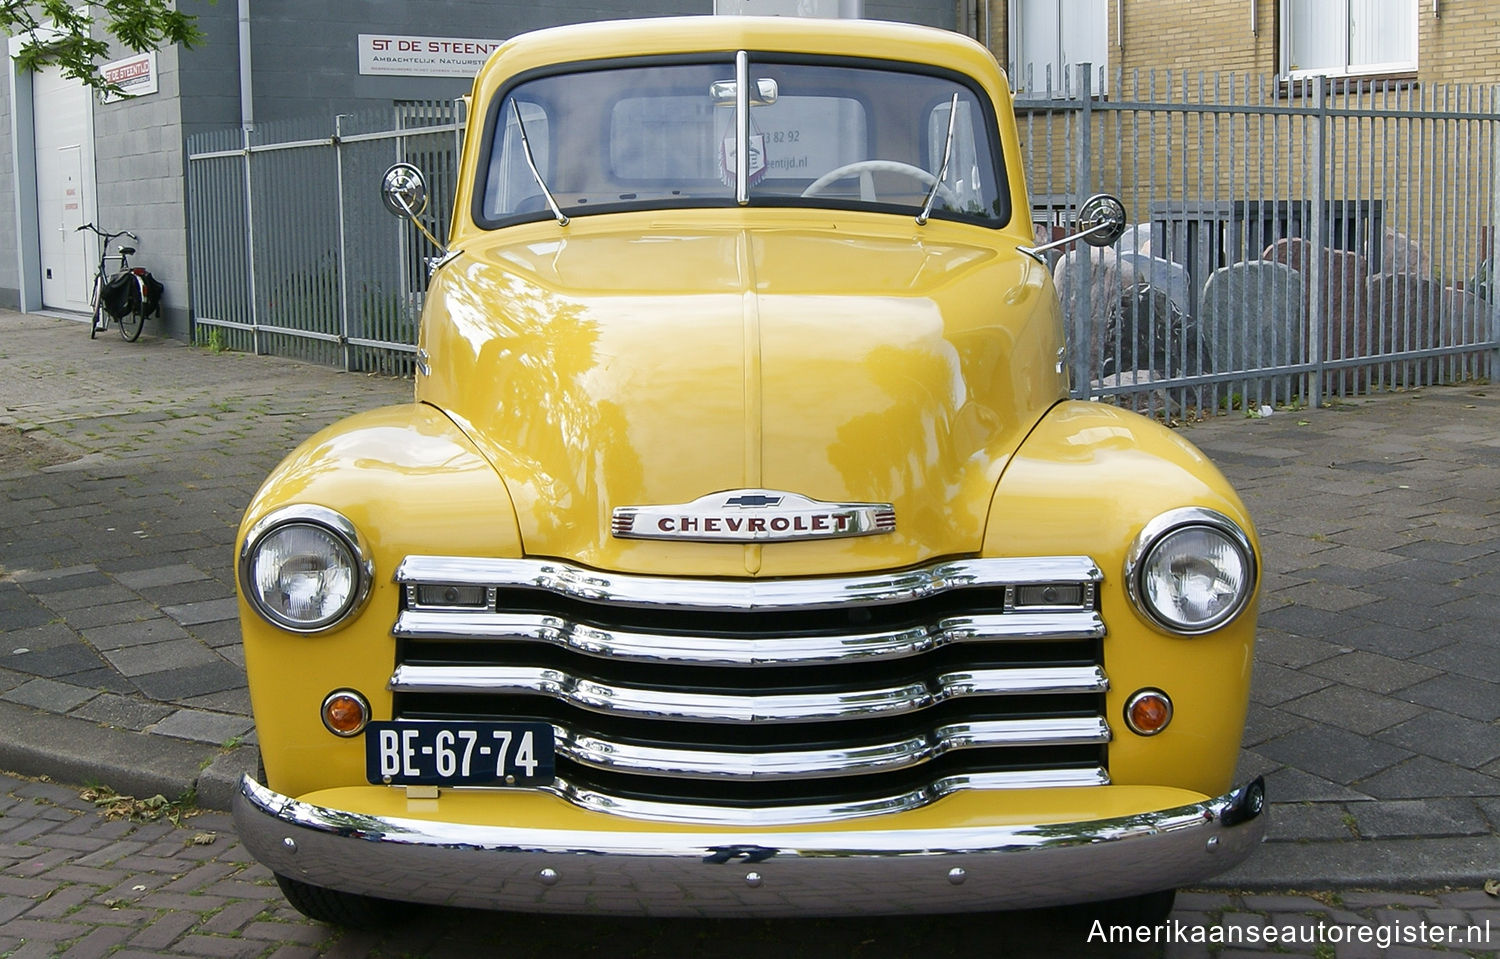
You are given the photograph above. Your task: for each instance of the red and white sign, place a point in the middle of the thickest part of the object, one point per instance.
(402, 56)
(136, 76)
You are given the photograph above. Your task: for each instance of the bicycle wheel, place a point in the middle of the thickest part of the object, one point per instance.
(94, 326)
(131, 323)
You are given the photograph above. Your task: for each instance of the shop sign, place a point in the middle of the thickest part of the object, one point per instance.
(136, 76)
(390, 55)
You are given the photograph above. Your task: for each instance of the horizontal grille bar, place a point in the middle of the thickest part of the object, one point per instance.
(587, 797)
(702, 763)
(749, 650)
(676, 704)
(822, 592)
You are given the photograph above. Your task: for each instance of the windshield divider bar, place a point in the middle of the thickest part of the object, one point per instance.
(742, 127)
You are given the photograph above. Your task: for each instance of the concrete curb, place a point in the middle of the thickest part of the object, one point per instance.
(69, 750)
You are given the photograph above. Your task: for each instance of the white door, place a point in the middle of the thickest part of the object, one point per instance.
(64, 189)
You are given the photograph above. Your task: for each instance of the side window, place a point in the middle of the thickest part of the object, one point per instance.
(511, 187)
(1345, 37)
(1050, 38)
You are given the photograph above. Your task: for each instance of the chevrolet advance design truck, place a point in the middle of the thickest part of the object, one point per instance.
(742, 552)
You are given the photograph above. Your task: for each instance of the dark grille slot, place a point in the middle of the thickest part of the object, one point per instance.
(847, 733)
(823, 791)
(887, 690)
(768, 678)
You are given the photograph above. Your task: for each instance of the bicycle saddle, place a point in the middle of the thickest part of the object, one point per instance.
(127, 250)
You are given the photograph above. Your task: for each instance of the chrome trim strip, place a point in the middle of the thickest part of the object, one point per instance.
(702, 763)
(675, 704)
(585, 797)
(749, 650)
(818, 592)
(703, 869)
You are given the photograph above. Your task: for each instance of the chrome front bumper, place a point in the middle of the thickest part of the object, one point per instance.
(715, 872)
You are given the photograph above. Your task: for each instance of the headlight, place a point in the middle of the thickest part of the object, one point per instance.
(1191, 570)
(304, 569)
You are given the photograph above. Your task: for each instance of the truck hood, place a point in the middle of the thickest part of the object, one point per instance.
(649, 365)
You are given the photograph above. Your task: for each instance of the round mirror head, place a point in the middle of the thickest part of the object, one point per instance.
(1101, 219)
(404, 190)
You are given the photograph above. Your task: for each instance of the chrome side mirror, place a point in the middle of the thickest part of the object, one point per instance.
(1101, 221)
(404, 190)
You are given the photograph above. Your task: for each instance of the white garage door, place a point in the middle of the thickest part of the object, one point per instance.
(64, 188)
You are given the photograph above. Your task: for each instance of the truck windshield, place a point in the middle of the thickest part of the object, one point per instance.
(832, 134)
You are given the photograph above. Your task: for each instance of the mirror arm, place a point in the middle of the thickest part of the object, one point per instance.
(417, 222)
(1037, 251)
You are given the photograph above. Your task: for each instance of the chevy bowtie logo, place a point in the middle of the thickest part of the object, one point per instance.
(750, 516)
(752, 500)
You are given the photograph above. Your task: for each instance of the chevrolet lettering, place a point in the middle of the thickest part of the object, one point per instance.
(742, 551)
(753, 516)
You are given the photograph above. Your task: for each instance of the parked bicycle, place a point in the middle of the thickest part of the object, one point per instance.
(126, 296)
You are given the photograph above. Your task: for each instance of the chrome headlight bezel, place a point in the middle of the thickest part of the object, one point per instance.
(1139, 561)
(344, 536)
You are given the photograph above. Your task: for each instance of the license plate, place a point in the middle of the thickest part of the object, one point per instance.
(460, 754)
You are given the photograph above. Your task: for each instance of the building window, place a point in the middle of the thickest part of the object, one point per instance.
(1049, 39)
(1348, 37)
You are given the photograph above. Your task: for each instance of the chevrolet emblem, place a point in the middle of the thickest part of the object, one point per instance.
(752, 516)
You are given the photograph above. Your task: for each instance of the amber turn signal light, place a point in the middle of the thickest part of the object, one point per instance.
(345, 712)
(1148, 712)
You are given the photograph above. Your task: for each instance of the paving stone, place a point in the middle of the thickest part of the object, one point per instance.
(1464, 695)
(137, 661)
(57, 662)
(202, 727)
(49, 695)
(1272, 685)
(1464, 742)
(183, 683)
(160, 629)
(1425, 777)
(1372, 671)
(210, 611)
(1356, 710)
(1335, 753)
(1406, 819)
(126, 712)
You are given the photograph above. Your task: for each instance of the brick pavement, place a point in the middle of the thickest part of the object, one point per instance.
(76, 884)
(1377, 684)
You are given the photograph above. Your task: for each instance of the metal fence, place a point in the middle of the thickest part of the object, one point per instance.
(293, 252)
(1289, 241)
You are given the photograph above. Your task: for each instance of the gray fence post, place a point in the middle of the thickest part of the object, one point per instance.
(1083, 185)
(338, 177)
(1493, 253)
(250, 242)
(1316, 240)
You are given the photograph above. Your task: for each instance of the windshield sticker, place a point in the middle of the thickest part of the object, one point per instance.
(728, 169)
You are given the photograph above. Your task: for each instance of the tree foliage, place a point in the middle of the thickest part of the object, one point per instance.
(75, 39)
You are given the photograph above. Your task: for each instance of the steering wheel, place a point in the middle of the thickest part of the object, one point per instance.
(867, 185)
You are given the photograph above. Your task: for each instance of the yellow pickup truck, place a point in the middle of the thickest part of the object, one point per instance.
(741, 552)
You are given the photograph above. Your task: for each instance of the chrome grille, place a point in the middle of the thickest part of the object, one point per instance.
(822, 696)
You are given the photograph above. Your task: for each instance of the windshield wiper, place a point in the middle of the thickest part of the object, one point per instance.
(562, 218)
(942, 171)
